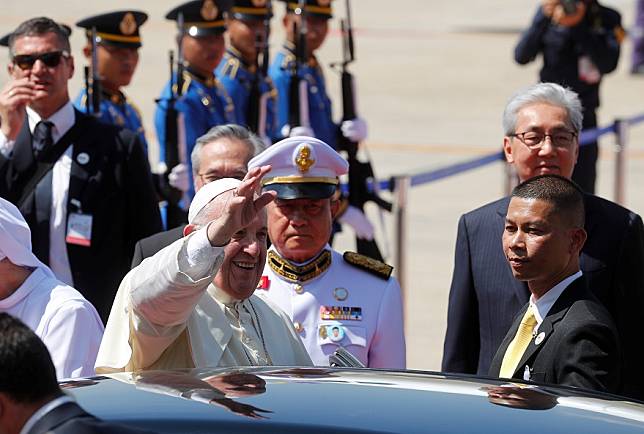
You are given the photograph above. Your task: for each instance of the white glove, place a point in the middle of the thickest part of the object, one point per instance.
(354, 129)
(179, 177)
(301, 131)
(358, 221)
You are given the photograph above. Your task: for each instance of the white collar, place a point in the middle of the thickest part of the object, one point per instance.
(542, 306)
(30, 283)
(63, 120)
(42, 411)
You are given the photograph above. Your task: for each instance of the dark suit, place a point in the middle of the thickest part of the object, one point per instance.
(112, 182)
(149, 246)
(69, 418)
(485, 297)
(576, 344)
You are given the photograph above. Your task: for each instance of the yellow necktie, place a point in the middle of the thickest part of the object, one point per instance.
(518, 345)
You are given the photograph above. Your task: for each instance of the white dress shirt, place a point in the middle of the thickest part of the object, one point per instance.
(63, 120)
(59, 315)
(542, 306)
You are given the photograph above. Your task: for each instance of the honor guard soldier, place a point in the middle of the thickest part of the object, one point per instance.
(201, 102)
(244, 68)
(333, 299)
(306, 26)
(113, 43)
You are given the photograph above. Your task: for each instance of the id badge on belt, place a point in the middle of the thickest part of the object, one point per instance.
(79, 229)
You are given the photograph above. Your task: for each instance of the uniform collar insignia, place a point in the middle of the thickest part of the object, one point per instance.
(299, 273)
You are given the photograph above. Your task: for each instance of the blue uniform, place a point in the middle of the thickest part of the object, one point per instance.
(320, 115)
(204, 104)
(237, 78)
(116, 109)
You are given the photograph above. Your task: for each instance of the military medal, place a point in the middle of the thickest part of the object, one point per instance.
(340, 294)
(264, 283)
(341, 313)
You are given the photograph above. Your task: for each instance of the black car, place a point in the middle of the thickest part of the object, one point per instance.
(346, 400)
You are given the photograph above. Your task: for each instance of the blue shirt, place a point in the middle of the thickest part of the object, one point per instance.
(320, 114)
(204, 104)
(238, 78)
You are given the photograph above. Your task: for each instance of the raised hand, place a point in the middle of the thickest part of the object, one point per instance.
(14, 97)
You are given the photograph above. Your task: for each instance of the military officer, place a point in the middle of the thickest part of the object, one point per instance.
(117, 54)
(333, 299)
(202, 101)
(241, 72)
(282, 70)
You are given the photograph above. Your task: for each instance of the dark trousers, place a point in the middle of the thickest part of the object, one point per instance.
(585, 172)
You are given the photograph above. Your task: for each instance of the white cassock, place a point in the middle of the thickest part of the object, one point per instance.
(336, 303)
(168, 314)
(59, 315)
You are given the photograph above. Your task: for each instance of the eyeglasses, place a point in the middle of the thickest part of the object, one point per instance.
(50, 59)
(535, 140)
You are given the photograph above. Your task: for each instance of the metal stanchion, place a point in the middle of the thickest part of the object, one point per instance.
(401, 190)
(621, 138)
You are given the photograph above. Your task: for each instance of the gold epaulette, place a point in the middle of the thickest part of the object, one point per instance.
(370, 265)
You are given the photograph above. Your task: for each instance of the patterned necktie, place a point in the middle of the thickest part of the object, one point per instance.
(42, 138)
(518, 345)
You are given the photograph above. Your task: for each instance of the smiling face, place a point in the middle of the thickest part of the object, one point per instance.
(299, 228)
(50, 82)
(540, 246)
(541, 118)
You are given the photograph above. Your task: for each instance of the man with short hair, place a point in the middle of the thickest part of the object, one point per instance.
(563, 335)
(79, 183)
(223, 152)
(541, 125)
(31, 401)
(192, 304)
(66, 322)
(117, 44)
(203, 102)
(319, 288)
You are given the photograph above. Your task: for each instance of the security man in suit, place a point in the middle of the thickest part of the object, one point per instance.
(31, 401)
(317, 14)
(563, 335)
(333, 299)
(117, 54)
(203, 102)
(541, 127)
(240, 70)
(84, 187)
(579, 46)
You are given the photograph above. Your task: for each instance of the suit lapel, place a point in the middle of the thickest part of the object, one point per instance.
(85, 162)
(56, 417)
(520, 289)
(23, 154)
(550, 322)
(495, 366)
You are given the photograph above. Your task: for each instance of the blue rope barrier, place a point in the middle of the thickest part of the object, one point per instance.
(586, 137)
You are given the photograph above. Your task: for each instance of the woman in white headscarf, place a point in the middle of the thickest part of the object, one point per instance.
(66, 322)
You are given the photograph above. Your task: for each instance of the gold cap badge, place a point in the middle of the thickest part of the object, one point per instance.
(209, 10)
(303, 159)
(128, 24)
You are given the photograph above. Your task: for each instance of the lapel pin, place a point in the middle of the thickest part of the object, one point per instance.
(340, 294)
(540, 337)
(82, 158)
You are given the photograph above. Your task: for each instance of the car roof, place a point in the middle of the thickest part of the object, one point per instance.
(346, 401)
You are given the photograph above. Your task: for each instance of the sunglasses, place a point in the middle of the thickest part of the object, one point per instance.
(51, 59)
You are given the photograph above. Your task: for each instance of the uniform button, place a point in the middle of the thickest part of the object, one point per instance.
(298, 327)
(299, 288)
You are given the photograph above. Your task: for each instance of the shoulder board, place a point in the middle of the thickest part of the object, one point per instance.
(231, 67)
(370, 265)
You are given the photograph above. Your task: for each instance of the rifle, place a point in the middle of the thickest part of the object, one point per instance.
(93, 81)
(359, 172)
(257, 101)
(298, 107)
(175, 214)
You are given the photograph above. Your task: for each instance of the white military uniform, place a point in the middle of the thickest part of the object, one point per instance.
(355, 296)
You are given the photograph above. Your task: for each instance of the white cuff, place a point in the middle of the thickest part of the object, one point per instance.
(200, 255)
